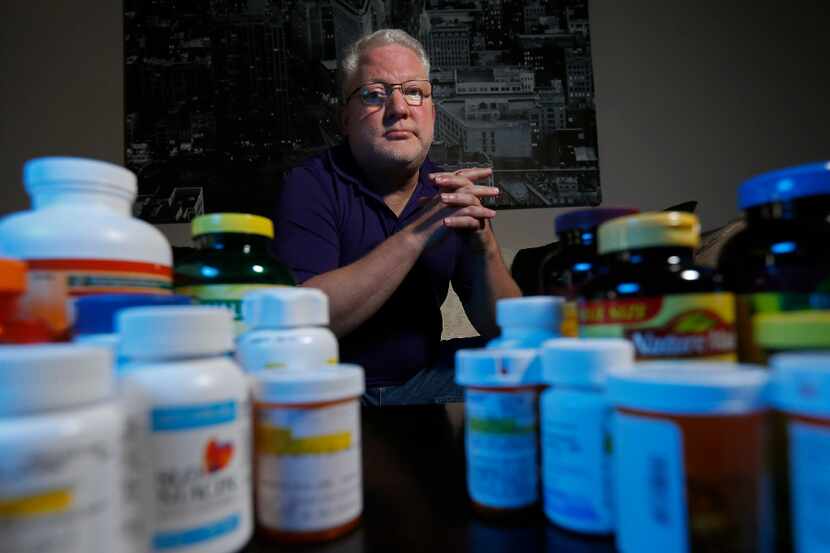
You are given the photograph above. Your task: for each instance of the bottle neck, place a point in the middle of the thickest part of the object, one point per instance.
(83, 197)
(810, 210)
(233, 242)
(663, 255)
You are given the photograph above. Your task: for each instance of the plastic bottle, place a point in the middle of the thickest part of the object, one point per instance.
(286, 329)
(233, 257)
(781, 260)
(576, 431)
(502, 405)
(308, 452)
(689, 457)
(60, 437)
(653, 294)
(199, 415)
(80, 238)
(527, 322)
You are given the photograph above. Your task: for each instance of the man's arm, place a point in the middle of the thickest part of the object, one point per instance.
(358, 290)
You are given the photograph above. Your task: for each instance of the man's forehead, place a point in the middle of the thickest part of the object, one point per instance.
(390, 60)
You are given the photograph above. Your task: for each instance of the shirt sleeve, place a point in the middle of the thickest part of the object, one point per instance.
(305, 224)
(464, 272)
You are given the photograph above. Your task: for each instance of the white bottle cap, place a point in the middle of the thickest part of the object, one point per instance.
(285, 306)
(292, 386)
(78, 172)
(533, 311)
(35, 378)
(690, 388)
(175, 331)
(497, 368)
(584, 362)
(801, 383)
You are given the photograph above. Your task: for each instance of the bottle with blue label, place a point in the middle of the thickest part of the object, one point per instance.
(527, 322)
(196, 404)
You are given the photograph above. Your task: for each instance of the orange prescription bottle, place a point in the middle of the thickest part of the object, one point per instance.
(689, 444)
(307, 452)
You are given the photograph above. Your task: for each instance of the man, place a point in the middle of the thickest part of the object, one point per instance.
(382, 231)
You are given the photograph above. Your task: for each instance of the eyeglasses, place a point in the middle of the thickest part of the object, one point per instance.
(377, 93)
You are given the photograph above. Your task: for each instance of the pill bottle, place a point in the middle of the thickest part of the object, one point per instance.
(689, 467)
(576, 262)
(501, 428)
(59, 432)
(527, 322)
(576, 431)
(232, 258)
(80, 238)
(802, 396)
(307, 452)
(176, 361)
(14, 329)
(94, 316)
(654, 295)
(287, 328)
(781, 260)
(791, 331)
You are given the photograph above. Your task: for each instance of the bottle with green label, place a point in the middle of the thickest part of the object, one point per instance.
(652, 293)
(232, 258)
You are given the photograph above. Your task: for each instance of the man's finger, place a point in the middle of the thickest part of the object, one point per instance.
(463, 222)
(476, 189)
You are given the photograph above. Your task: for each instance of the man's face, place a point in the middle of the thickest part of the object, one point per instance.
(395, 136)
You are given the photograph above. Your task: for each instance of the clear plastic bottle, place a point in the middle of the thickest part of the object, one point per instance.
(80, 238)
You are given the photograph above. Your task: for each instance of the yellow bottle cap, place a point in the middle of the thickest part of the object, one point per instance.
(12, 276)
(646, 230)
(243, 223)
(792, 330)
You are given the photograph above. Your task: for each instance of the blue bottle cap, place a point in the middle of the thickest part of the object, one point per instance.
(96, 314)
(590, 218)
(787, 184)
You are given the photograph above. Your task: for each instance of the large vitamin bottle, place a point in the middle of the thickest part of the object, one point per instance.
(80, 238)
(233, 258)
(653, 293)
(781, 260)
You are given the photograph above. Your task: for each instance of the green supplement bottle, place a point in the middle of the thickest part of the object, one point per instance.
(232, 258)
(650, 291)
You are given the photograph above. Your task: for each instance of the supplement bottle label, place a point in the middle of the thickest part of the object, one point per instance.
(52, 282)
(680, 326)
(749, 305)
(223, 295)
(502, 455)
(576, 464)
(58, 499)
(810, 486)
(201, 460)
(650, 485)
(308, 467)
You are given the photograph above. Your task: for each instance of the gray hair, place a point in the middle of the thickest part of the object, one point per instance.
(350, 60)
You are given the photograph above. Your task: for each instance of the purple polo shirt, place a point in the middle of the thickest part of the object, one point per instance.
(327, 217)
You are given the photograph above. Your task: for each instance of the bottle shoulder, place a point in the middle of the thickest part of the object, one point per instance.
(618, 281)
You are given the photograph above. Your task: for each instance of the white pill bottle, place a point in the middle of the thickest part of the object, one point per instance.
(176, 362)
(60, 479)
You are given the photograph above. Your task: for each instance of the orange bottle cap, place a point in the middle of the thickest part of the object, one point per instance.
(12, 276)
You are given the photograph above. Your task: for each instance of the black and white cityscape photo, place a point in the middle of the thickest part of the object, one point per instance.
(222, 96)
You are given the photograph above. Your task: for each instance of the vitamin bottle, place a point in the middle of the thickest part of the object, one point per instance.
(307, 452)
(80, 238)
(802, 397)
(501, 428)
(689, 457)
(232, 258)
(781, 260)
(654, 295)
(197, 408)
(60, 437)
(576, 431)
(527, 322)
(14, 328)
(792, 331)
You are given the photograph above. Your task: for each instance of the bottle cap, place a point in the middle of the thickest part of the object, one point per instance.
(782, 185)
(530, 311)
(793, 330)
(285, 306)
(584, 362)
(174, 331)
(292, 386)
(801, 383)
(666, 228)
(43, 173)
(96, 314)
(12, 276)
(497, 368)
(242, 223)
(590, 218)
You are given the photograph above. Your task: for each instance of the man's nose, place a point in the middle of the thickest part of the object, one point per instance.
(396, 105)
